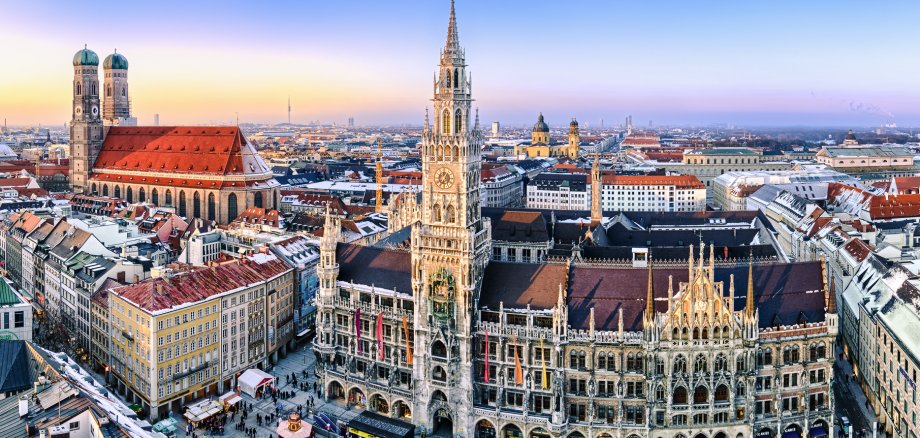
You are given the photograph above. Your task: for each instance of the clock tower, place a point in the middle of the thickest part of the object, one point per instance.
(449, 249)
(86, 133)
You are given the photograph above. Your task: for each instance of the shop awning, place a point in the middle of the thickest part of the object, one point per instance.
(203, 410)
(792, 434)
(231, 398)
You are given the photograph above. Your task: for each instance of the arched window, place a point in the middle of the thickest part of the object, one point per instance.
(108, 90)
(231, 207)
(182, 209)
(447, 78)
(123, 92)
(700, 395)
(680, 396)
(438, 349)
(680, 364)
(141, 195)
(445, 122)
(154, 197)
(94, 90)
(439, 374)
(451, 214)
(700, 365)
(721, 364)
(721, 394)
(118, 192)
(436, 213)
(169, 202)
(257, 199)
(739, 390)
(105, 190)
(458, 121)
(211, 207)
(456, 78)
(196, 204)
(740, 366)
(79, 89)
(130, 194)
(94, 188)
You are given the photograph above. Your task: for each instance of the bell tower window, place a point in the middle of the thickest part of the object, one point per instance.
(448, 79)
(456, 78)
(79, 89)
(445, 122)
(458, 121)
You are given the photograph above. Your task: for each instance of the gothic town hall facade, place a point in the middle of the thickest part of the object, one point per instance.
(439, 335)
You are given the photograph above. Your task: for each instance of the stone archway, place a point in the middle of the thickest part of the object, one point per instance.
(442, 423)
(511, 431)
(379, 404)
(402, 410)
(335, 391)
(484, 429)
(792, 431)
(538, 432)
(818, 429)
(357, 398)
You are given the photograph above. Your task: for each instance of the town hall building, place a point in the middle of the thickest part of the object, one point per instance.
(439, 333)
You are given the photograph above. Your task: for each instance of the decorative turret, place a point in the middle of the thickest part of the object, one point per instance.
(749, 299)
(574, 140)
(379, 177)
(597, 213)
(650, 298)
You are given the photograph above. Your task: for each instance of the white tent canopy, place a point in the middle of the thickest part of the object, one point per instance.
(254, 379)
(231, 398)
(203, 410)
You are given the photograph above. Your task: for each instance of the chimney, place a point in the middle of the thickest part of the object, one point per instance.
(23, 407)
(137, 278)
(120, 277)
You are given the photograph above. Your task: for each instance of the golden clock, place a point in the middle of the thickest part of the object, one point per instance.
(444, 178)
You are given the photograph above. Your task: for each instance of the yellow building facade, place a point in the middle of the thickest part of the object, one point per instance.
(541, 145)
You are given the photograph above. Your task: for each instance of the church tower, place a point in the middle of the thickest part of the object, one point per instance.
(574, 140)
(450, 247)
(86, 125)
(116, 105)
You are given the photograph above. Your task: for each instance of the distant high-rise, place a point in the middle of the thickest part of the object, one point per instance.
(289, 110)
(629, 128)
(156, 120)
(351, 123)
(496, 129)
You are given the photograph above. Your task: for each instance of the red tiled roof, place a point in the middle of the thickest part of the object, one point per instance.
(14, 182)
(157, 294)
(858, 249)
(259, 216)
(908, 184)
(681, 181)
(220, 150)
(173, 182)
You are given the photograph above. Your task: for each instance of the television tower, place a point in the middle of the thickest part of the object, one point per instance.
(289, 110)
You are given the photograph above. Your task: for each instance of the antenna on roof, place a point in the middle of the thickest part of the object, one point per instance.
(237, 119)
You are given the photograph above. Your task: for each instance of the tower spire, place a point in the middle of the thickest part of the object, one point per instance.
(453, 39)
(597, 213)
(650, 299)
(749, 299)
(379, 176)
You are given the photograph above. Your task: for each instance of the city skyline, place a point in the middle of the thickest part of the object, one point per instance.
(672, 63)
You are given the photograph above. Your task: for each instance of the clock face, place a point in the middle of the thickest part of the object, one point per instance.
(95, 111)
(78, 110)
(444, 178)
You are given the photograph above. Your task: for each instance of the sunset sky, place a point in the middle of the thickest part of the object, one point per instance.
(683, 62)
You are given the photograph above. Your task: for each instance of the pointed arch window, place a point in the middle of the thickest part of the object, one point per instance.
(458, 121)
(118, 192)
(105, 190)
(79, 89)
(130, 195)
(448, 78)
(257, 199)
(141, 195)
(231, 207)
(123, 92)
(169, 201)
(445, 122)
(154, 197)
(456, 78)
(182, 209)
(196, 204)
(108, 91)
(211, 207)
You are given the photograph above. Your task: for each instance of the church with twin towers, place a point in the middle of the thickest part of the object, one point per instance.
(433, 327)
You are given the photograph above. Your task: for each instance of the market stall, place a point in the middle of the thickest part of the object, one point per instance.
(254, 382)
(203, 410)
(230, 399)
(167, 427)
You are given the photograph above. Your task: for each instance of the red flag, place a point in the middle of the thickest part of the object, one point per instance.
(487, 355)
(358, 328)
(518, 372)
(380, 335)
(406, 335)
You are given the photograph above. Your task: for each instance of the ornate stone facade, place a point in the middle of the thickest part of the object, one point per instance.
(461, 346)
